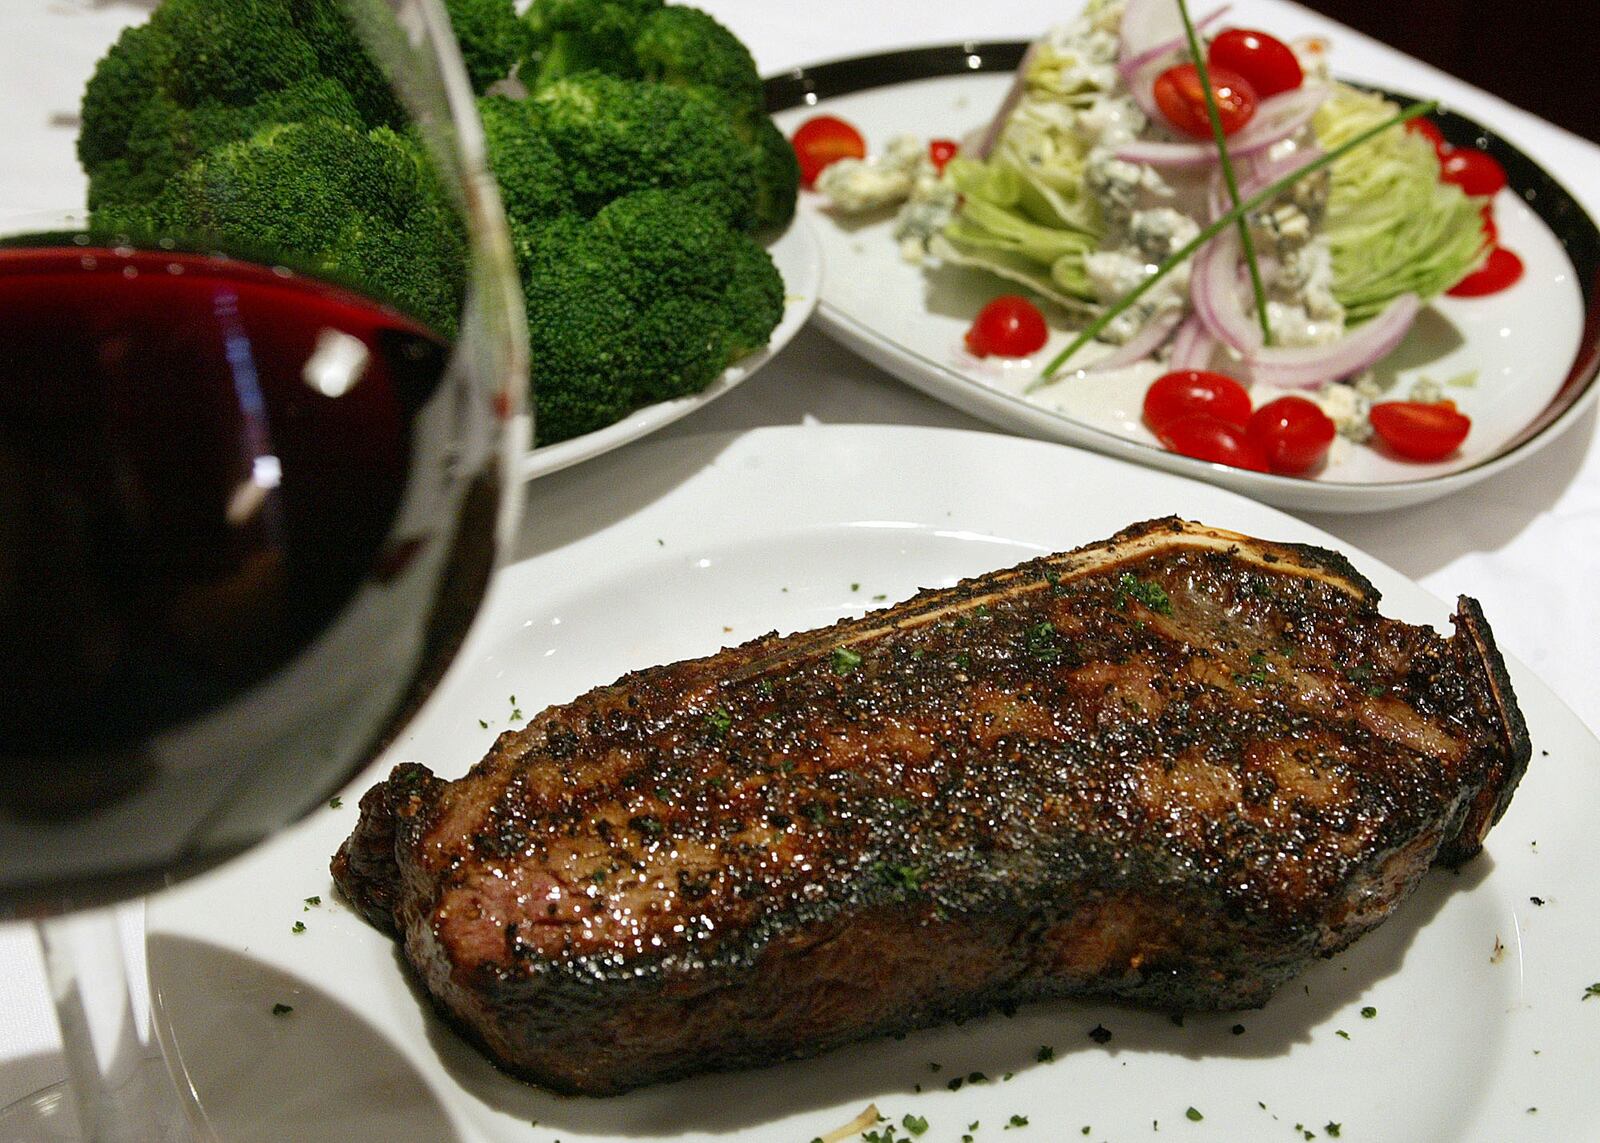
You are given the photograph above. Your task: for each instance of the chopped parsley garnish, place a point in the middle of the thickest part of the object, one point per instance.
(1016, 1121)
(298, 927)
(915, 1124)
(1147, 592)
(1100, 1034)
(1592, 991)
(335, 802)
(482, 725)
(282, 1009)
(1334, 1130)
(963, 660)
(311, 903)
(1368, 1012)
(901, 876)
(1341, 1033)
(719, 721)
(1194, 1115)
(646, 824)
(1041, 641)
(1537, 900)
(955, 1084)
(844, 660)
(1045, 1054)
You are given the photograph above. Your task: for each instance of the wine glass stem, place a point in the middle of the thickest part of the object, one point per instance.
(130, 1096)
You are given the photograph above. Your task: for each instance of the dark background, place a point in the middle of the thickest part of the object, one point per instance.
(1542, 55)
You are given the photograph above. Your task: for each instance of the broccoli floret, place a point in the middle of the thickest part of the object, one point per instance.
(492, 38)
(649, 300)
(777, 176)
(676, 46)
(686, 47)
(533, 181)
(359, 207)
(206, 72)
(613, 136)
(568, 37)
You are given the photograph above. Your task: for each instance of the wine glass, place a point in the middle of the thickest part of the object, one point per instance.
(253, 482)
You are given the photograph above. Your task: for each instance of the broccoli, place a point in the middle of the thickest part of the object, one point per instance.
(675, 46)
(492, 38)
(608, 136)
(567, 37)
(356, 206)
(649, 300)
(202, 73)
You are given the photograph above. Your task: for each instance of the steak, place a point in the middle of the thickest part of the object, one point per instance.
(1172, 768)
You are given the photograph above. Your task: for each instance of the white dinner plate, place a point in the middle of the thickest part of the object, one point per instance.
(1531, 350)
(1462, 1018)
(798, 258)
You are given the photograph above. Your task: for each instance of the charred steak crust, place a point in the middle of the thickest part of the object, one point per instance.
(1171, 768)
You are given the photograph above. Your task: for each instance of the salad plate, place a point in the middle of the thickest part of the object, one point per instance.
(798, 257)
(1463, 1017)
(1521, 363)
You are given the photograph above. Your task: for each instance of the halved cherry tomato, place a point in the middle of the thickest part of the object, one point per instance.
(823, 140)
(1183, 101)
(941, 151)
(1474, 171)
(1211, 438)
(1293, 433)
(1189, 391)
(1429, 130)
(1420, 432)
(1503, 269)
(1265, 61)
(1009, 326)
(1490, 230)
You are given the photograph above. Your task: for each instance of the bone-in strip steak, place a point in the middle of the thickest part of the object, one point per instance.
(1171, 768)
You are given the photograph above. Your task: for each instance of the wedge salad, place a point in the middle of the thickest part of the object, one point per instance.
(1180, 191)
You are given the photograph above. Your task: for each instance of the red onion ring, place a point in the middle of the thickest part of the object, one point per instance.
(1142, 344)
(1302, 367)
(1128, 66)
(1192, 346)
(1277, 118)
(1214, 290)
(1145, 24)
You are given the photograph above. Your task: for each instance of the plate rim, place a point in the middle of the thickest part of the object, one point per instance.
(1542, 192)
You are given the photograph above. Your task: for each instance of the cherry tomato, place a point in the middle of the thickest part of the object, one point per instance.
(1182, 100)
(1429, 130)
(1189, 391)
(1474, 171)
(824, 140)
(1265, 61)
(1420, 432)
(1490, 230)
(941, 151)
(1205, 437)
(1293, 433)
(1503, 269)
(1009, 326)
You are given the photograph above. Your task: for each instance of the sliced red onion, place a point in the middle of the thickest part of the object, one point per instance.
(1129, 65)
(997, 124)
(1214, 290)
(1303, 367)
(1146, 24)
(1275, 120)
(1142, 344)
(1267, 171)
(1192, 346)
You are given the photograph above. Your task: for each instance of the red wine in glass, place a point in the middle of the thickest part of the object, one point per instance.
(245, 518)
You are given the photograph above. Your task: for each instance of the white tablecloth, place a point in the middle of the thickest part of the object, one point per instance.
(1526, 544)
